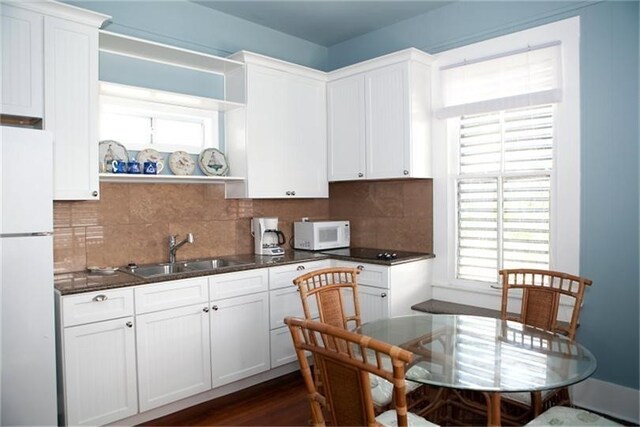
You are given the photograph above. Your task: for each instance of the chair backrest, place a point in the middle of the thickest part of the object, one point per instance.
(335, 291)
(542, 292)
(347, 359)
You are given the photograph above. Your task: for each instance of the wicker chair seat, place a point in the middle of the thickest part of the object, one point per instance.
(390, 419)
(382, 390)
(565, 416)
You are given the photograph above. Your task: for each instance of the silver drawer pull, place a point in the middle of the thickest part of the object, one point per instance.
(100, 298)
(300, 267)
(360, 267)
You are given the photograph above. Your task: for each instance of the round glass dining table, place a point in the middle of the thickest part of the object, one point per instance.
(484, 354)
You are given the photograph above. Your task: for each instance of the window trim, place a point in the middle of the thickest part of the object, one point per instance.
(565, 197)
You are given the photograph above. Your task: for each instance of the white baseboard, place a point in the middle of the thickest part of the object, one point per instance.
(608, 399)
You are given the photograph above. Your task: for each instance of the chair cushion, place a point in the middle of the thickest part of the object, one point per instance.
(390, 419)
(562, 415)
(382, 390)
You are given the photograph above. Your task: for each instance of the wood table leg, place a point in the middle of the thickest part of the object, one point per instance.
(493, 408)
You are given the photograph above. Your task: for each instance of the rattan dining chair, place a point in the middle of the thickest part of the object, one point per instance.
(348, 359)
(335, 291)
(542, 295)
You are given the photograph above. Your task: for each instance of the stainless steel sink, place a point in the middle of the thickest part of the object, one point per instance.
(168, 269)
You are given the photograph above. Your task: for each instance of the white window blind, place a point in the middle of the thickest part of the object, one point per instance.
(531, 76)
(504, 192)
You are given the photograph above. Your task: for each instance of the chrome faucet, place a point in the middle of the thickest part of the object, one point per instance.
(173, 246)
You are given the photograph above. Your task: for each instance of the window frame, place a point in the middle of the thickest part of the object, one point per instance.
(160, 104)
(565, 179)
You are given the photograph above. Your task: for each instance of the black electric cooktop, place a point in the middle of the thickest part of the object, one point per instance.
(375, 254)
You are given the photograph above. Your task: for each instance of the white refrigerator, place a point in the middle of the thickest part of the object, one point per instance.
(27, 330)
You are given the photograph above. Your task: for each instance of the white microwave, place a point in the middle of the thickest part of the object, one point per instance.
(320, 235)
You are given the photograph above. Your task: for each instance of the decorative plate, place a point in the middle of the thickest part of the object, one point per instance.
(181, 163)
(110, 150)
(213, 162)
(151, 155)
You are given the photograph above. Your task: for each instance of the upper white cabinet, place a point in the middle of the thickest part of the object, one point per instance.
(50, 71)
(21, 55)
(278, 142)
(71, 106)
(379, 118)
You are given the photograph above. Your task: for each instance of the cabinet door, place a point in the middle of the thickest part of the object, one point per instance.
(268, 133)
(100, 372)
(286, 302)
(174, 358)
(307, 146)
(387, 131)
(21, 59)
(282, 351)
(346, 124)
(374, 303)
(71, 104)
(286, 135)
(239, 337)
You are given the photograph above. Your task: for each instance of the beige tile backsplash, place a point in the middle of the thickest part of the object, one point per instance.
(131, 222)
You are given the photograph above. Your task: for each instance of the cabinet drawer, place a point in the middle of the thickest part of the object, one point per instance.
(176, 293)
(231, 285)
(282, 276)
(370, 274)
(96, 306)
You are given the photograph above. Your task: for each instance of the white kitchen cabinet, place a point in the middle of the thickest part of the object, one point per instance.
(379, 118)
(174, 359)
(389, 291)
(71, 106)
(284, 300)
(239, 337)
(278, 141)
(21, 59)
(50, 71)
(97, 357)
(239, 325)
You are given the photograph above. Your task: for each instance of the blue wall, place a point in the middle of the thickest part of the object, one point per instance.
(609, 149)
(610, 219)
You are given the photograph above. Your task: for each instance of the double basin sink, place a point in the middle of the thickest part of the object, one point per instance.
(169, 269)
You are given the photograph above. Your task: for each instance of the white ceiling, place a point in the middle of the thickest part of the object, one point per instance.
(324, 22)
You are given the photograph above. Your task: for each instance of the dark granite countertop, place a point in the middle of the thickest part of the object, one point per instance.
(79, 282)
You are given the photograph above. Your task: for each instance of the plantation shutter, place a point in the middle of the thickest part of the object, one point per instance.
(504, 192)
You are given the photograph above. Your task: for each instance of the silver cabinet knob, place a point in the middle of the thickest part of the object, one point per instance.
(300, 267)
(206, 309)
(383, 295)
(129, 324)
(360, 267)
(293, 193)
(100, 298)
(360, 175)
(94, 194)
(288, 193)
(214, 308)
(406, 172)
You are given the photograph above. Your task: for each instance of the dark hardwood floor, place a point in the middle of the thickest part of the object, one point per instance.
(279, 402)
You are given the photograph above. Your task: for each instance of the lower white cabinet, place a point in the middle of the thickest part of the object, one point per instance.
(284, 300)
(97, 361)
(239, 337)
(389, 291)
(174, 359)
